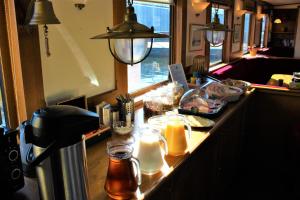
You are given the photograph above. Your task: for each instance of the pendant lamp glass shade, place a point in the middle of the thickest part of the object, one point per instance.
(215, 31)
(215, 38)
(139, 47)
(130, 42)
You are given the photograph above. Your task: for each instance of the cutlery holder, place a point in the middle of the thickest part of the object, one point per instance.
(125, 108)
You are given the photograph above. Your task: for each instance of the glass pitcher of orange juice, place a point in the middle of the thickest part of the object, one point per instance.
(176, 135)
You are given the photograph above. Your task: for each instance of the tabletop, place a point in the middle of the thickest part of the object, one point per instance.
(98, 159)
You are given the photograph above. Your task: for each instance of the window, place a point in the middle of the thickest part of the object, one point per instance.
(2, 115)
(154, 68)
(216, 53)
(246, 32)
(262, 34)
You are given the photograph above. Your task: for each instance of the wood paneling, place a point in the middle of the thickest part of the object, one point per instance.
(12, 84)
(6, 73)
(30, 60)
(21, 64)
(207, 45)
(180, 28)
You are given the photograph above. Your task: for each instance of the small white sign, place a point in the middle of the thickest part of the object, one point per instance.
(177, 74)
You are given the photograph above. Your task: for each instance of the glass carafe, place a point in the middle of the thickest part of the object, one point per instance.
(123, 173)
(176, 135)
(150, 153)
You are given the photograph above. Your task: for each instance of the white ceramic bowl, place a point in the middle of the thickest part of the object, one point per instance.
(121, 128)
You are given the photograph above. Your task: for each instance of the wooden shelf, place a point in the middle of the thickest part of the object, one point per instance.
(100, 131)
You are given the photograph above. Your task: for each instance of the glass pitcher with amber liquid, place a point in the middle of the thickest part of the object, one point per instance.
(123, 173)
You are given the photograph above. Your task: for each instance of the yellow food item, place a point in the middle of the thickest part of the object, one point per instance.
(196, 121)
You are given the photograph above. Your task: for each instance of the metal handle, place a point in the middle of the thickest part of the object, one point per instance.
(138, 169)
(165, 144)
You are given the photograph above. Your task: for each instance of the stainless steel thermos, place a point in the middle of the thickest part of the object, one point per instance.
(56, 133)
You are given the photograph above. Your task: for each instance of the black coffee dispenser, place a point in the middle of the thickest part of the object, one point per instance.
(56, 133)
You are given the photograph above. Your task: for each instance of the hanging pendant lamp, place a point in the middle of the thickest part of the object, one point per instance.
(215, 31)
(130, 42)
(43, 14)
(277, 21)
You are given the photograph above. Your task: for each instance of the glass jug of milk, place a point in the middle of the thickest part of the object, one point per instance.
(150, 153)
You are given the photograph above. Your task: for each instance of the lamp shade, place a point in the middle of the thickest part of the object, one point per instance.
(130, 42)
(215, 32)
(277, 21)
(215, 38)
(260, 16)
(139, 47)
(199, 5)
(240, 13)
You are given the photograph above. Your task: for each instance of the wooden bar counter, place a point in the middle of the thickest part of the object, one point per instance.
(98, 159)
(182, 176)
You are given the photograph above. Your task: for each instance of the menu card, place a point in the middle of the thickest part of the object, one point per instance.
(177, 74)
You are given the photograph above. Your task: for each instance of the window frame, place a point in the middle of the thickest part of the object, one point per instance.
(144, 90)
(226, 13)
(249, 33)
(262, 39)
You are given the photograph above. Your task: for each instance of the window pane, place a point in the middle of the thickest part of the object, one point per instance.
(2, 114)
(246, 33)
(154, 68)
(216, 53)
(263, 26)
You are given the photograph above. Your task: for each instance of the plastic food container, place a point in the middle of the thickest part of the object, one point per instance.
(163, 99)
(227, 93)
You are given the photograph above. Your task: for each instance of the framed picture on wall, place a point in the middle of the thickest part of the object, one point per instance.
(195, 37)
(236, 33)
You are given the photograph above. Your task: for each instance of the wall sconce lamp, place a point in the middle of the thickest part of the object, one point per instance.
(240, 13)
(277, 21)
(43, 14)
(79, 4)
(199, 6)
(132, 41)
(260, 16)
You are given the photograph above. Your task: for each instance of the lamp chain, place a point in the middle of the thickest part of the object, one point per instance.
(130, 2)
(46, 40)
(217, 6)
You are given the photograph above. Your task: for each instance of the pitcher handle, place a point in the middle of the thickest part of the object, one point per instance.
(165, 144)
(189, 129)
(138, 169)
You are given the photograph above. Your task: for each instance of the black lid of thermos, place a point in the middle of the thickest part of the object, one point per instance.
(61, 124)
